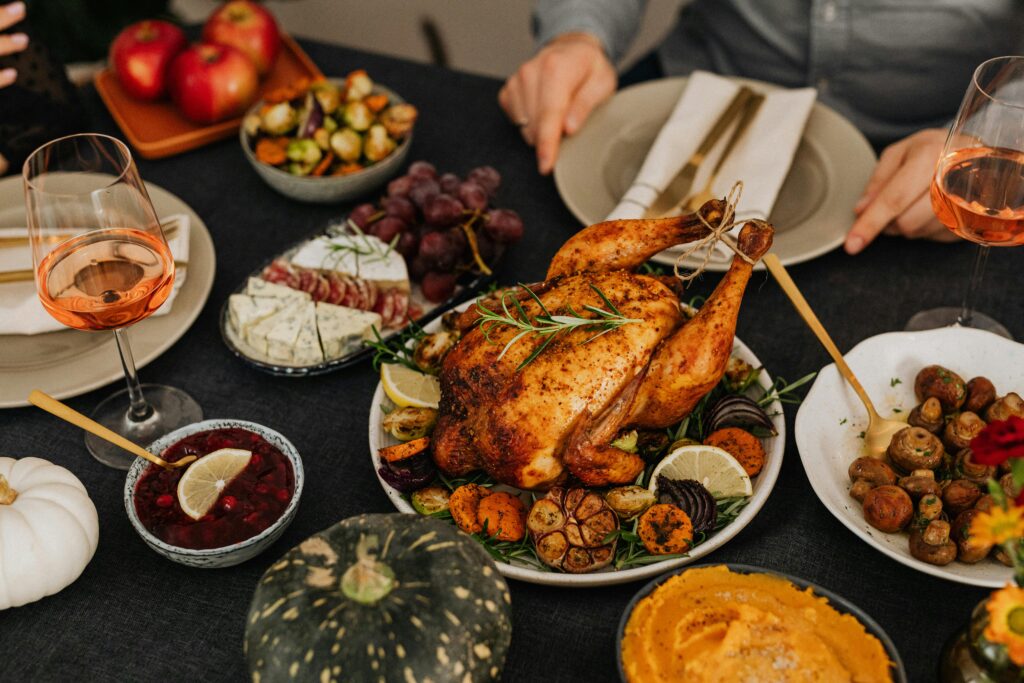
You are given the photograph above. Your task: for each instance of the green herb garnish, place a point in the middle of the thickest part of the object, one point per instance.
(396, 348)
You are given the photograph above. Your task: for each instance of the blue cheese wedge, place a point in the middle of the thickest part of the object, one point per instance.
(343, 329)
(288, 341)
(245, 311)
(258, 335)
(261, 288)
(362, 256)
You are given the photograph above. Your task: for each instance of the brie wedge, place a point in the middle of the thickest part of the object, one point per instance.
(362, 256)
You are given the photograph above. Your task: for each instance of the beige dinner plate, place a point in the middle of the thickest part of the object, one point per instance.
(69, 362)
(814, 209)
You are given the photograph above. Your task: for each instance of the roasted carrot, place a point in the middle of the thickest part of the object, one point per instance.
(740, 444)
(376, 103)
(502, 516)
(665, 529)
(401, 451)
(324, 164)
(464, 504)
(270, 152)
(346, 169)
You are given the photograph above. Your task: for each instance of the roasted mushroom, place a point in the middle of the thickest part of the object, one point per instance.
(859, 489)
(1001, 556)
(927, 415)
(985, 503)
(929, 507)
(1005, 407)
(943, 384)
(920, 483)
(971, 470)
(969, 550)
(888, 508)
(872, 470)
(569, 528)
(915, 448)
(1009, 488)
(980, 394)
(959, 495)
(932, 543)
(961, 429)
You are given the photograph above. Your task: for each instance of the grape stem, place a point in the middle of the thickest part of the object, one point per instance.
(467, 228)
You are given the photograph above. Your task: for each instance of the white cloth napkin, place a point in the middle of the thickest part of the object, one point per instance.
(20, 310)
(761, 157)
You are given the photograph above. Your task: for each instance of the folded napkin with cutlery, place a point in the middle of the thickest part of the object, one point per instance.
(761, 157)
(20, 310)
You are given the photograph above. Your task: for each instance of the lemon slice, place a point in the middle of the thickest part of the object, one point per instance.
(409, 388)
(720, 473)
(205, 479)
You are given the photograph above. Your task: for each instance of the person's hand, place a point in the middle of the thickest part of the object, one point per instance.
(555, 91)
(896, 200)
(11, 14)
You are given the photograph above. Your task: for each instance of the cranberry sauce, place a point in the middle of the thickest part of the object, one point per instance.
(253, 500)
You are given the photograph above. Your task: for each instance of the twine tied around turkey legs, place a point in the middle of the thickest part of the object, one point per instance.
(716, 233)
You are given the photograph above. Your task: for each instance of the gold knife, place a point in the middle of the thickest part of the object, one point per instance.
(170, 229)
(677, 188)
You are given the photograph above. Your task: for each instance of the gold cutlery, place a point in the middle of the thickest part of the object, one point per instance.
(880, 430)
(69, 414)
(680, 185)
(170, 229)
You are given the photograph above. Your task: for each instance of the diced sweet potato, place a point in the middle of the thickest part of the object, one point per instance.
(665, 530)
(464, 504)
(502, 516)
(740, 444)
(405, 450)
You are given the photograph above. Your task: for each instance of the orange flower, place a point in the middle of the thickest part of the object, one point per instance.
(998, 526)
(1006, 621)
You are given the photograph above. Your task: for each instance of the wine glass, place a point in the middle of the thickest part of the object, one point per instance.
(102, 263)
(978, 187)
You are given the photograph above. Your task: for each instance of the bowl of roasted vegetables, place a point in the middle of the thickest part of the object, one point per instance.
(328, 140)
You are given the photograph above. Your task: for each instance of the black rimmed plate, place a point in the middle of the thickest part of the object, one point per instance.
(839, 603)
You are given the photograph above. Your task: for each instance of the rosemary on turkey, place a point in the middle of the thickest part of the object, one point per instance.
(547, 326)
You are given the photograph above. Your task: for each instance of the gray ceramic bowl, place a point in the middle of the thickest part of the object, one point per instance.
(840, 604)
(215, 558)
(329, 189)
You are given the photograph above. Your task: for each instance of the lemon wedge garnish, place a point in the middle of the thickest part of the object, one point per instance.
(717, 470)
(409, 388)
(206, 478)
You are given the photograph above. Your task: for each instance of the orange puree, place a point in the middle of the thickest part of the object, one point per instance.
(712, 625)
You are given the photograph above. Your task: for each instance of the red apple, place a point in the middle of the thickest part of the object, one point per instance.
(212, 82)
(140, 55)
(248, 27)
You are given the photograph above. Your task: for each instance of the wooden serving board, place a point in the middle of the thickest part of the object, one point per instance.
(156, 129)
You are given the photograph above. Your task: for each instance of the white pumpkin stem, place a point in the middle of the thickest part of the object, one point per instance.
(7, 494)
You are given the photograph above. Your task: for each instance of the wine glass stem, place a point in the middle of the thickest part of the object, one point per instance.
(967, 309)
(138, 409)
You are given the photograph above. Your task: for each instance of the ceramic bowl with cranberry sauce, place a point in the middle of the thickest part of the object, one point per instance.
(251, 511)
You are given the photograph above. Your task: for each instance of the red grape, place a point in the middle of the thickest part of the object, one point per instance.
(473, 195)
(399, 207)
(487, 176)
(438, 251)
(361, 215)
(458, 240)
(408, 244)
(438, 286)
(450, 183)
(422, 168)
(487, 247)
(504, 225)
(442, 210)
(399, 187)
(386, 228)
(418, 267)
(423, 189)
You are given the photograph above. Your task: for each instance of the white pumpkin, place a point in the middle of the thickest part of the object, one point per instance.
(48, 530)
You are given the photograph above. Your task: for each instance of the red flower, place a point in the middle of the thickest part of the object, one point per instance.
(999, 441)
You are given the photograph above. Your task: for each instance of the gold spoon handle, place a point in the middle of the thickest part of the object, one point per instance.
(69, 414)
(772, 263)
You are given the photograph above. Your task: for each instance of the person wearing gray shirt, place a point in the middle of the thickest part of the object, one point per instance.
(896, 68)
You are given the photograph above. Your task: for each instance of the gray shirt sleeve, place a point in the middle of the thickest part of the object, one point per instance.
(614, 22)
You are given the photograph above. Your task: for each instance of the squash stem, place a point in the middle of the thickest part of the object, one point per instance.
(367, 581)
(7, 494)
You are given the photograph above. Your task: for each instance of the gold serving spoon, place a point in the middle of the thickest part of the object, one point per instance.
(69, 414)
(880, 430)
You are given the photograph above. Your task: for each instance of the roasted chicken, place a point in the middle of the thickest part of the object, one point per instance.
(529, 426)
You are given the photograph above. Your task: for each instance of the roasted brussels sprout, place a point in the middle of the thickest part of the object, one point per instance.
(929, 507)
(430, 500)
(251, 125)
(303, 151)
(932, 543)
(920, 483)
(914, 448)
(629, 501)
(739, 371)
(357, 85)
(651, 443)
(347, 144)
(406, 424)
(377, 144)
(328, 95)
(888, 508)
(398, 120)
(431, 350)
(969, 550)
(971, 470)
(1005, 407)
(927, 415)
(981, 393)
(277, 119)
(961, 429)
(358, 116)
(959, 495)
(322, 138)
(943, 384)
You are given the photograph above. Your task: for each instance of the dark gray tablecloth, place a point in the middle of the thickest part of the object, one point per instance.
(134, 616)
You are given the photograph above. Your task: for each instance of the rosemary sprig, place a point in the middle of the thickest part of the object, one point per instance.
(361, 247)
(396, 348)
(548, 326)
(785, 392)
